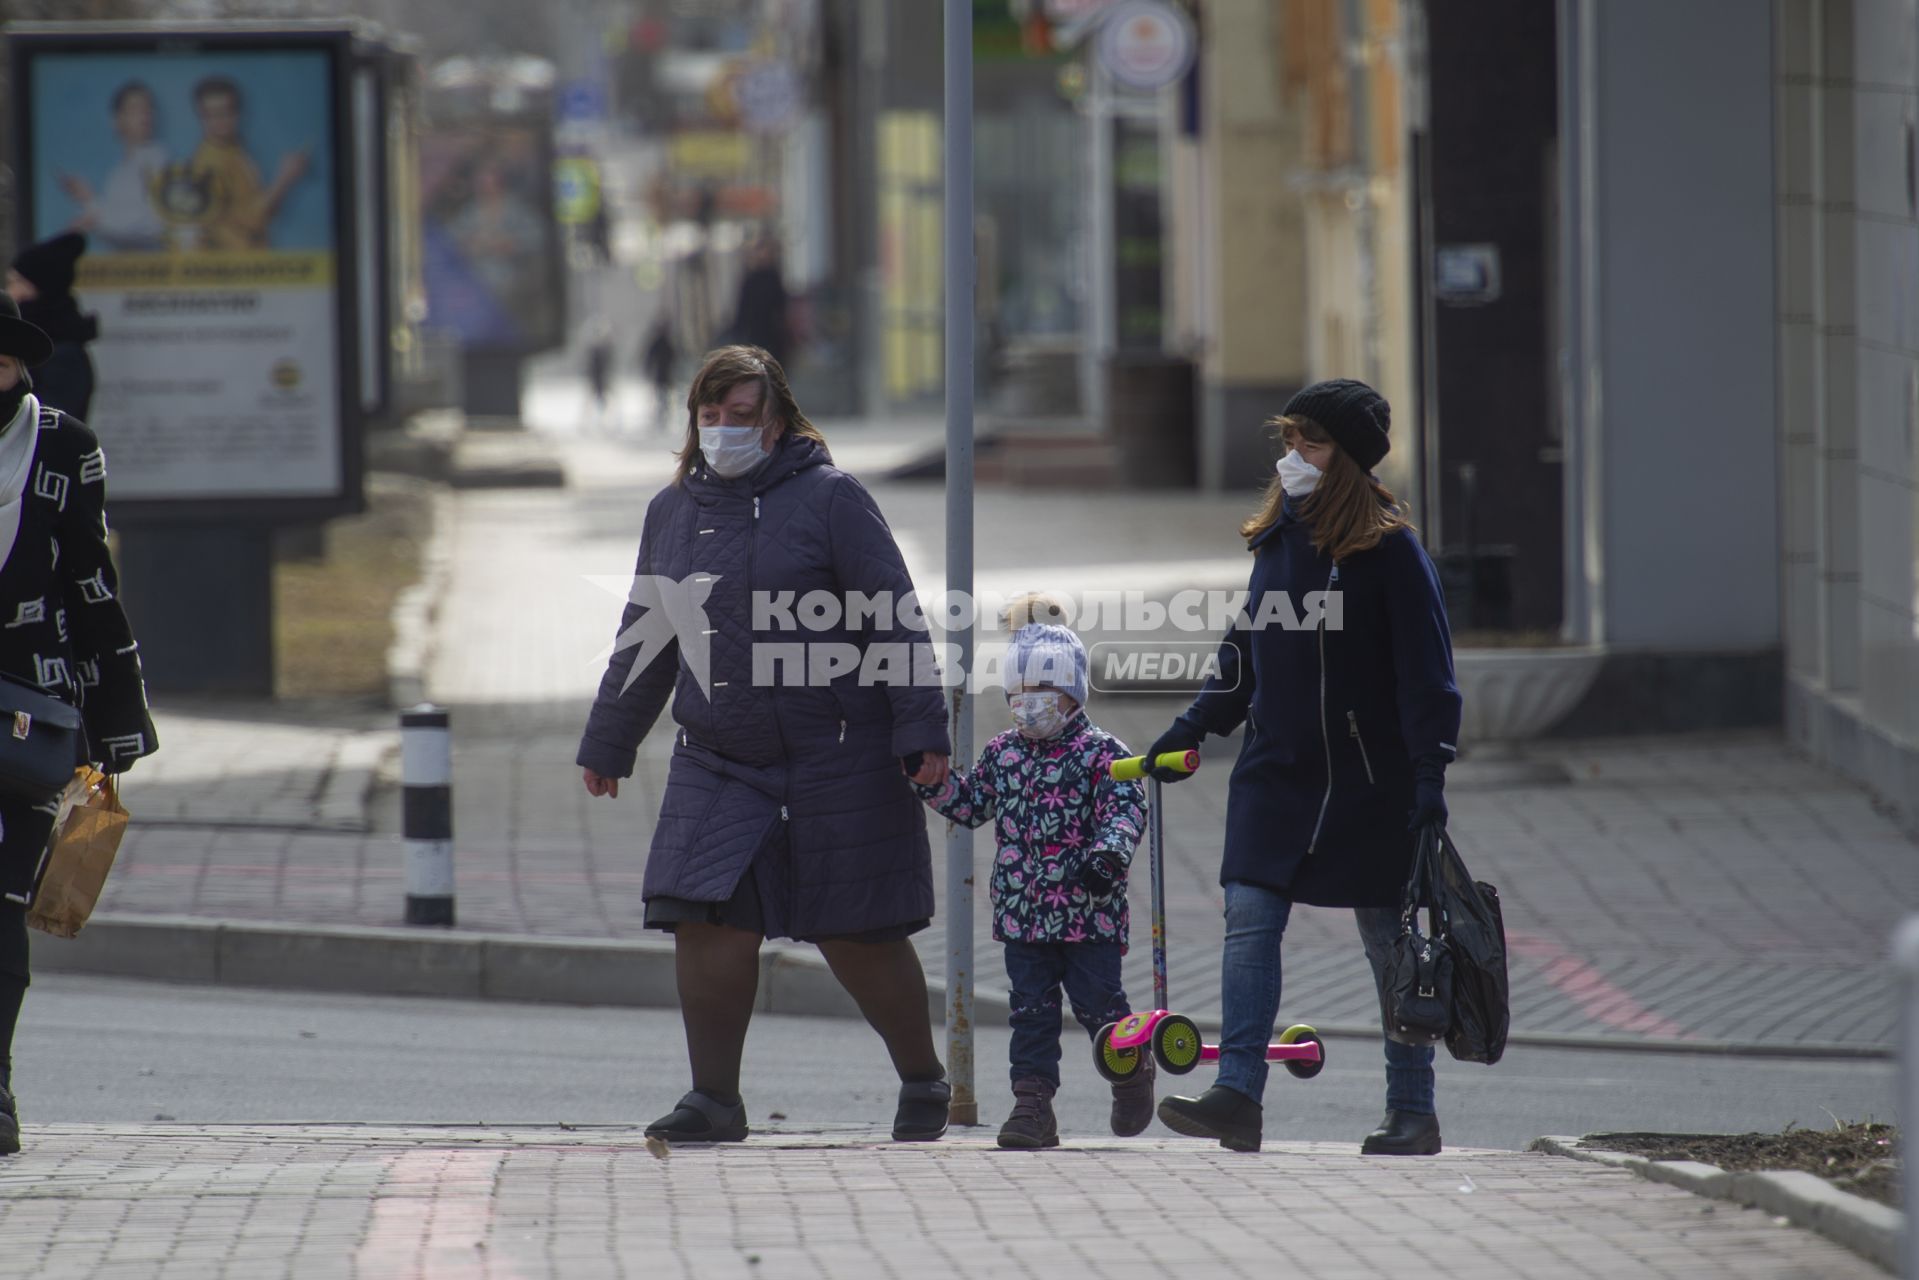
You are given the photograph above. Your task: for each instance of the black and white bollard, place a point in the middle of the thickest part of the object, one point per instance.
(426, 778)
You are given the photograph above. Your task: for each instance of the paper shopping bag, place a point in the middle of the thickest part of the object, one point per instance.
(80, 858)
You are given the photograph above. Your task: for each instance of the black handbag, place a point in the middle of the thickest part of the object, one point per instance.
(1416, 990)
(41, 742)
(1476, 936)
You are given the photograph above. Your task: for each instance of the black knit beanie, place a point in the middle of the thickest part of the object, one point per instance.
(1354, 415)
(49, 265)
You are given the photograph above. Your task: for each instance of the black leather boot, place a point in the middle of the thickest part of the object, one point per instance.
(1220, 1112)
(922, 1113)
(9, 1125)
(1403, 1133)
(699, 1118)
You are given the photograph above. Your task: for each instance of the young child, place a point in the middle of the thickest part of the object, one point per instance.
(1064, 836)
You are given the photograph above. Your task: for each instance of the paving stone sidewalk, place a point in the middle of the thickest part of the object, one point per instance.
(1713, 888)
(159, 1203)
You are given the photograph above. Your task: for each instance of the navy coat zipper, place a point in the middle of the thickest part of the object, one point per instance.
(1325, 734)
(1352, 718)
(772, 694)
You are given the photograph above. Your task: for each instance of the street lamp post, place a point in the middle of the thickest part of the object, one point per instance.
(958, 144)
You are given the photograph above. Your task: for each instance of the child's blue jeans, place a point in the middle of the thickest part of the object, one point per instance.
(1089, 971)
(1250, 980)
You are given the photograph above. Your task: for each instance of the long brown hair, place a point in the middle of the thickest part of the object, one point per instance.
(1348, 510)
(726, 368)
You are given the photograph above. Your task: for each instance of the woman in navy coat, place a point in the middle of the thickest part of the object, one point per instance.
(787, 812)
(1341, 670)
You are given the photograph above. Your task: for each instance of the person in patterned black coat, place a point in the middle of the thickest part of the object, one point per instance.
(1064, 832)
(62, 630)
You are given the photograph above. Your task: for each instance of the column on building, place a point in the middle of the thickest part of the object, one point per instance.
(1846, 112)
(1672, 470)
(1239, 244)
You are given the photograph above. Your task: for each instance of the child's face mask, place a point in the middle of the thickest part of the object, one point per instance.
(1039, 715)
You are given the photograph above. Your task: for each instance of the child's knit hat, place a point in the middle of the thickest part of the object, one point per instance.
(1047, 654)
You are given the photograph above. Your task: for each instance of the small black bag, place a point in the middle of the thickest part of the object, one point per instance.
(41, 742)
(1416, 991)
(1476, 935)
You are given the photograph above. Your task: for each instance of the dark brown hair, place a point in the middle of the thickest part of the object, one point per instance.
(722, 371)
(1349, 510)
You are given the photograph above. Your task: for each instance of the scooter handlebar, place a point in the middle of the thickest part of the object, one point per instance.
(1133, 768)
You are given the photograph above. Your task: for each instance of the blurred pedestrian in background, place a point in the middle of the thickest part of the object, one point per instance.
(65, 635)
(760, 317)
(599, 371)
(1350, 727)
(658, 358)
(787, 812)
(41, 282)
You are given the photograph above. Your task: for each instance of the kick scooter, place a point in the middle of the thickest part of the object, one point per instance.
(1173, 1038)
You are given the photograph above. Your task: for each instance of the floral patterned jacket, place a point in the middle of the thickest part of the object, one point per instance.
(1052, 803)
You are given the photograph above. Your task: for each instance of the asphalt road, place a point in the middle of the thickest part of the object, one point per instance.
(109, 1050)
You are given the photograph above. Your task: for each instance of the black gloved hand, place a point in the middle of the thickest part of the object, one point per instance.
(1183, 736)
(1429, 793)
(1099, 874)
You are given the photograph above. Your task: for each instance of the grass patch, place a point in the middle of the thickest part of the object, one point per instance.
(332, 619)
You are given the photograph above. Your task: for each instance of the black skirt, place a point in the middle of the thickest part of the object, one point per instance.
(742, 911)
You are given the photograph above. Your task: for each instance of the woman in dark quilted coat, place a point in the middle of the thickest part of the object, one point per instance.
(787, 811)
(61, 631)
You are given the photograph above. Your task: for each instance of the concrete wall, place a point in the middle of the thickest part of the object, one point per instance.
(1681, 98)
(1847, 87)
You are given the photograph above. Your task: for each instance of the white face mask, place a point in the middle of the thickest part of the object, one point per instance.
(732, 451)
(1299, 476)
(1038, 715)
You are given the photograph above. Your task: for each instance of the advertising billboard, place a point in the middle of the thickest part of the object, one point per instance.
(213, 175)
(491, 249)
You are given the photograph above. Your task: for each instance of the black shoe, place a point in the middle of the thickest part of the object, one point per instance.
(9, 1125)
(699, 1118)
(922, 1111)
(1032, 1125)
(1133, 1100)
(1403, 1133)
(1220, 1112)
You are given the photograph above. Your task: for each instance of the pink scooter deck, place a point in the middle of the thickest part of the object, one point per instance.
(1136, 1032)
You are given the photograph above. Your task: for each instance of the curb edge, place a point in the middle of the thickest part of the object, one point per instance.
(1869, 1229)
(398, 960)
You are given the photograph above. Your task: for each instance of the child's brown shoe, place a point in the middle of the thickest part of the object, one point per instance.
(1031, 1126)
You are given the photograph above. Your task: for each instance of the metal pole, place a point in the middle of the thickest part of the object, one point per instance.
(958, 144)
(1905, 959)
(1101, 326)
(1156, 830)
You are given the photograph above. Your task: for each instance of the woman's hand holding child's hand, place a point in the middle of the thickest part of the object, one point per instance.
(928, 768)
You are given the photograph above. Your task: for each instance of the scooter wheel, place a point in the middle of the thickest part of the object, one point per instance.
(1114, 1065)
(1176, 1044)
(1300, 1033)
